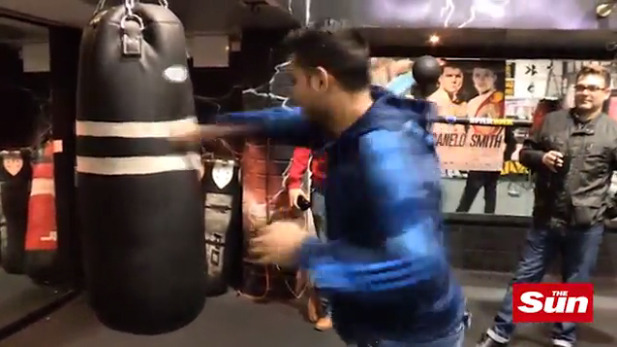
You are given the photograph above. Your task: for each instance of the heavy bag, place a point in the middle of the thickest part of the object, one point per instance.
(41, 236)
(2, 225)
(223, 216)
(15, 194)
(139, 199)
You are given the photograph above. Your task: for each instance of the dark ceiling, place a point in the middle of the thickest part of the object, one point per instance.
(222, 15)
(228, 16)
(16, 32)
(477, 37)
(498, 43)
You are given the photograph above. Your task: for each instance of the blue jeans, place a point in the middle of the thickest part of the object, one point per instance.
(318, 208)
(579, 250)
(455, 339)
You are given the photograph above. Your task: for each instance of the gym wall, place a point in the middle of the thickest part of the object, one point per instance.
(476, 242)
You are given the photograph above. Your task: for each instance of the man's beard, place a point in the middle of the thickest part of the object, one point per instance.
(587, 110)
(317, 116)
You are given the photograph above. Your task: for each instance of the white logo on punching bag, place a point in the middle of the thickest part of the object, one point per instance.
(222, 173)
(13, 163)
(176, 74)
(52, 236)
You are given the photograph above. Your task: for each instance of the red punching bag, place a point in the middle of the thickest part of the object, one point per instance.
(41, 240)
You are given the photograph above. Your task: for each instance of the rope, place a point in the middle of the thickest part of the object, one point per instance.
(501, 122)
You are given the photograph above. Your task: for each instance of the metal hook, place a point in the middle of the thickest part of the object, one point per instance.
(132, 17)
(132, 41)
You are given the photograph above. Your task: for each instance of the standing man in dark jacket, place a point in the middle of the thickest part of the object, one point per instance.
(573, 155)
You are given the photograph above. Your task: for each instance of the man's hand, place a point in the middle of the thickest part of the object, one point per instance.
(294, 194)
(553, 160)
(193, 135)
(279, 243)
(190, 134)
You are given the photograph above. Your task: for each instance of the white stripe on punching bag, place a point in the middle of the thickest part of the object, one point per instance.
(135, 130)
(42, 186)
(139, 165)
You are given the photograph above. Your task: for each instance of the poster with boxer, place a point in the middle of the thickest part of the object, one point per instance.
(468, 89)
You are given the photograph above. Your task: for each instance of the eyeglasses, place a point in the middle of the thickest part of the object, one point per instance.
(590, 88)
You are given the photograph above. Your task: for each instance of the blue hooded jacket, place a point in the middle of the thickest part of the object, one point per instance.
(385, 269)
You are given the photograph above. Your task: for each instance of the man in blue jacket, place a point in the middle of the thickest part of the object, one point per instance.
(384, 270)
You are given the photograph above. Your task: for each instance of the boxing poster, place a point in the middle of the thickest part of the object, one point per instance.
(470, 88)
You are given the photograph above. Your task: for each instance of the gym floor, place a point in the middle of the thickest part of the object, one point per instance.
(19, 296)
(231, 321)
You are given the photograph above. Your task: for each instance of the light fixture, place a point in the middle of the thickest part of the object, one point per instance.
(605, 9)
(434, 39)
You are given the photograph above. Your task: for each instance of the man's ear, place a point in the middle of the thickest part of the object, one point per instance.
(607, 95)
(321, 79)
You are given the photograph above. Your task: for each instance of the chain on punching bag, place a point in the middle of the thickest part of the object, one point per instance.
(139, 200)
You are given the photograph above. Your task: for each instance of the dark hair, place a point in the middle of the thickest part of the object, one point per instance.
(451, 65)
(485, 66)
(341, 52)
(595, 69)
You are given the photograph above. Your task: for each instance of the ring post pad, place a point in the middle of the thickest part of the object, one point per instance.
(132, 39)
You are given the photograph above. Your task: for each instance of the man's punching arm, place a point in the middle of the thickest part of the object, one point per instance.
(281, 124)
(402, 192)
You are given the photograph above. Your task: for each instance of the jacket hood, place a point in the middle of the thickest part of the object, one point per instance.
(389, 112)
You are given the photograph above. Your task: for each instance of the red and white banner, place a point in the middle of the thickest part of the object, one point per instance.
(552, 302)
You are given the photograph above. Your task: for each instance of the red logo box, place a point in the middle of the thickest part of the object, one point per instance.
(552, 302)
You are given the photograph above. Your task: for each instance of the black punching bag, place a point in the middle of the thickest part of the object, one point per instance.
(15, 194)
(140, 204)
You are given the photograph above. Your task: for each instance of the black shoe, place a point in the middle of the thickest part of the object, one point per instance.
(486, 341)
